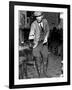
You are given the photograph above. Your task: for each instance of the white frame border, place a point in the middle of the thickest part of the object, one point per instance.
(17, 81)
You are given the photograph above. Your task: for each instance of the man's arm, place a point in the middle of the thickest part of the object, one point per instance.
(32, 35)
(47, 32)
(32, 32)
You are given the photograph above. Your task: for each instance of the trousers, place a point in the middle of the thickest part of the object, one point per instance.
(41, 55)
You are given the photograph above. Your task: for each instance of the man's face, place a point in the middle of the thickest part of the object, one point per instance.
(39, 18)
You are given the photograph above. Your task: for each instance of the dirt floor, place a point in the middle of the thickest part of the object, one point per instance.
(54, 68)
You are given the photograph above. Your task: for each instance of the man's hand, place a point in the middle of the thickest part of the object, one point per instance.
(35, 45)
(31, 43)
(45, 41)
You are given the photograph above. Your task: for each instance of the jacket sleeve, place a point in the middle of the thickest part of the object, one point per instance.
(32, 32)
(47, 31)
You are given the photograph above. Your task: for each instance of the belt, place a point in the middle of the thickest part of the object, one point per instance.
(40, 41)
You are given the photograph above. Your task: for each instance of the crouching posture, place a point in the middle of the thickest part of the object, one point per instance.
(38, 34)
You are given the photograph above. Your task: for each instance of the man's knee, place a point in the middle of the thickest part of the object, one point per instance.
(36, 52)
(45, 52)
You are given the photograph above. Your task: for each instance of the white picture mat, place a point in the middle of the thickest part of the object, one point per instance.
(18, 81)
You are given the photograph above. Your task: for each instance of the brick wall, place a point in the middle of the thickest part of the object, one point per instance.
(52, 18)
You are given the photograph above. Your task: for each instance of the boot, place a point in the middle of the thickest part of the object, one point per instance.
(45, 67)
(38, 66)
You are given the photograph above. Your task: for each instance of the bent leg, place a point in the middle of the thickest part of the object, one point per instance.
(37, 56)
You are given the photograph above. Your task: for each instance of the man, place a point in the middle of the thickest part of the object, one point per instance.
(38, 34)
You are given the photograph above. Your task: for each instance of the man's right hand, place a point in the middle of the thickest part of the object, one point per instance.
(31, 44)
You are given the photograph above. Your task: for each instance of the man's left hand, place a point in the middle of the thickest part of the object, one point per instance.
(44, 42)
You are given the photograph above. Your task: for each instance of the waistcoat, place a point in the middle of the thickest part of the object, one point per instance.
(39, 34)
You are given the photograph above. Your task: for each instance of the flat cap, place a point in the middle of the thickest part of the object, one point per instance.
(37, 13)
